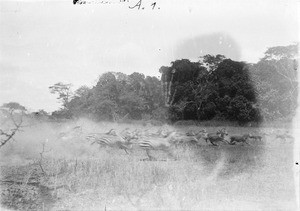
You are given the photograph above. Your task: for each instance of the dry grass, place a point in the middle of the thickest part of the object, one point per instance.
(83, 177)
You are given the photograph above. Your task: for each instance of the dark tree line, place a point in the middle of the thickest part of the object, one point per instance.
(215, 87)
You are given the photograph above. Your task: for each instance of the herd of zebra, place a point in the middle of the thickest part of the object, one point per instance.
(163, 140)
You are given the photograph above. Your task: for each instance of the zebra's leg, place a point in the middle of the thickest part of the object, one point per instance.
(232, 142)
(126, 151)
(226, 142)
(197, 141)
(121, 146)
(213, 143)
(247, 143)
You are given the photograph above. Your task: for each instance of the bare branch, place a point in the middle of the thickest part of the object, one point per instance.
(41, 159)
(6, 136)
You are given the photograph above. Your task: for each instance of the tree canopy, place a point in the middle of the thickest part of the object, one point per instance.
(215, 87)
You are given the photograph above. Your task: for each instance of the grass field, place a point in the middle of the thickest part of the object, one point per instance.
(42, 170)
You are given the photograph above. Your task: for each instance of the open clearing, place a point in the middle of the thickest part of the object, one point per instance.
(48, 167)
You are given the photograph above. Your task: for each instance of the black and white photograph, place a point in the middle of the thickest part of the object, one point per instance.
(149, 105)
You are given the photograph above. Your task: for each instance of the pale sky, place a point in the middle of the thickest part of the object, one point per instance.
(45, 42)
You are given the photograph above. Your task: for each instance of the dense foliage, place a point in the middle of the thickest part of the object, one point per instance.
(223, 89)
(117, 96)
(215, 87)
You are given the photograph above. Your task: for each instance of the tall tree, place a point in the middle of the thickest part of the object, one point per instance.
(173, 78)
(276, 81)
(64, 93)
(14, 106)
(194, 92)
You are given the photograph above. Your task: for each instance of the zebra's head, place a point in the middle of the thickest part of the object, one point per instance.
(173, 137)
(223, 132)
(112, 132)
(165, 133)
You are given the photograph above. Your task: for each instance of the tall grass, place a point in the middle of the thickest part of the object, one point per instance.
(255, 177)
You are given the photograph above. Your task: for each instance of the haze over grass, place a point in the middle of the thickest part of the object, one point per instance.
(256, 177)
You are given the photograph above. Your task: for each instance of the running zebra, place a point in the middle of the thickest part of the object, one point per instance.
(158, 143)
(239, 139)
(284, 136)
(217, 137)
(110, 139)
(193, 133)
(190, 138)
(128, 135)
(256, 137)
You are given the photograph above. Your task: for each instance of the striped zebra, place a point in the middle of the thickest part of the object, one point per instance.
(190, 138)
(128, 135)
(110, 139)
(284, 136)
(256, 137)
(239, 139)
(158, 143)
(195, 133)
(160, 133)
(216, 137)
